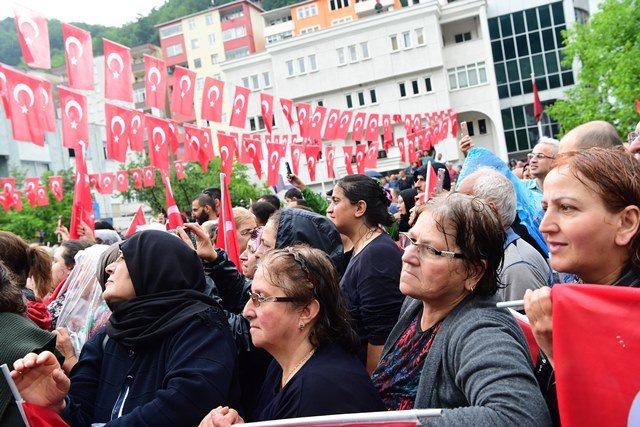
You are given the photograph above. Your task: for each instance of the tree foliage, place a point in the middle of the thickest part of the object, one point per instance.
(195, 180)
(608, 48)
(29, 222)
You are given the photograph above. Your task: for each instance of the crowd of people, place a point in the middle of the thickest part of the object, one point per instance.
(373, 297)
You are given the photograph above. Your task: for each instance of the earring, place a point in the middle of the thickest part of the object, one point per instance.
(301, 326)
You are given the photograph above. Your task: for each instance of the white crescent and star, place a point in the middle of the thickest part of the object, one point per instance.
(315, 120)
(333, 118)
(224, 153)
(36, 31)
(71, 40)
(215, 89)
(265, 107)
(186, 79)
(117, 120)
(115, 56)
(158, 131)
(343, 121)
(194, 140)
(73, 104)
(21, 87)
(153, 71)
(134, 129)
(273, 158)
(235, 101)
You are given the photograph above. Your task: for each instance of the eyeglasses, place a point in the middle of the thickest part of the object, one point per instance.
(424, 249)
(258, 299)
(632, 137)
(539, 156)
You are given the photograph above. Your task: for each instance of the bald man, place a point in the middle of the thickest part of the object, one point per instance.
(597, 133)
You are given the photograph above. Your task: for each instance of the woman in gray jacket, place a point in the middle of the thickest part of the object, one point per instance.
(452, 348)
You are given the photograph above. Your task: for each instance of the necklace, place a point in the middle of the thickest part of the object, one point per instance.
(298, 366)
(367, 236)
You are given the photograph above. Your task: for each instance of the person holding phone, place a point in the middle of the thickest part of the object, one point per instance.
(315, 201)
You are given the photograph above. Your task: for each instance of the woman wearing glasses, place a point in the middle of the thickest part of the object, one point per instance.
(166, 355)
(297, 315)
(452, 348)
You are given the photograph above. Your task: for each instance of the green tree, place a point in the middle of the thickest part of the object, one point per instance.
(195, 180)
(29, 222)
(608, 48)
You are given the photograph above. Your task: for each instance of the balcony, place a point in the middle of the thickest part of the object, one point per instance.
(368, 7)
(282, 27)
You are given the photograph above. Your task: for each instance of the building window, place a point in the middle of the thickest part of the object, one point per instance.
(482, 127)
(194, 43)
(394, 42)
(419, 36)
(209, 19)
(308, 30)
(301, 66)
(307, 11)
(470, 128)
(290, 69)
(234, 33)
(200, 82)
(338, 4)
(341, 20)
(414, 87)
(349, 101)
(467, 75)
(342, 59)
(245, 82)
(171, 30)
(353, 53)
(255, 82)
(364, 49)
(139, 96)
(374, 97)
(266, 78)
(403, 90)
(197, 63)
(279, 37)
(361, 98)
(463, 37)
(212, 38)
(313, 65)
(215, 58)
(521, 130)
(192, 23)
(406, 39)
(174, 50)
(231, 14)
(320, 103)
(237, 53)
(427, 84)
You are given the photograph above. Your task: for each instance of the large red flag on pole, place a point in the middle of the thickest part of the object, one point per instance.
(78, 50)
(118, 78)
(173, 213)
(227, 238)
(25, 118)
(82, 208)
(138, 219)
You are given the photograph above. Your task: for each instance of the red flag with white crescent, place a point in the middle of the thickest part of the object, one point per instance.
(316, 123)
(138, 219)
(46, 110)
(371, 158)
(266, 109)
(361, 154)
(173, 213)
(16, 200)
(372, 132)
(304, 111)
(82, 208)
(252, 152)
(343, 124)
(348, 156)
(184, 82)
(227, 237)
(332, 124)
(212, 100)
(239, 108)
(158, 134)
(75, 124)
(136, 175)
(8, 184)
(21, 93)
(198, 145)
(33, 34)
(417, 122)
(94, 181)
(31, 190)
(122, 180)
(5, 201)
(55, 185)
(330, 155)
(312, 152)
(276, 152)
(117, 119)
(118, 78)
(78, 50)
(3, 93)
(296, 150)
(179, 167)
(357, 133)
(136, 130)
(106, 183)
(453, 118)
(155, 82)
(411, 151)
(287, 110)
(174, 136)
(148, 176)
(226, 145)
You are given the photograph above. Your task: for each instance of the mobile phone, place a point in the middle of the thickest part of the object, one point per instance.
(463, 129)
(59, 225)
(440, 181)
(288, 168)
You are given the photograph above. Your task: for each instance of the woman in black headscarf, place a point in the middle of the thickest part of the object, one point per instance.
(406, 202)
(165, 358)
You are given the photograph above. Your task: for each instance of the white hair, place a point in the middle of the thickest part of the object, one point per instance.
(496, 188)
(549, 141)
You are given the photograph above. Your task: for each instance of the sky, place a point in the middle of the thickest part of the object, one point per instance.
(106, 12)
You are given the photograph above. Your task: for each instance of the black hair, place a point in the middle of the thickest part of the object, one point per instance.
(11, 300)
(103, 225)
(72, 247)
(293, 193)
(262, 211)
(272, 199)
(213, 192)
(362, 187)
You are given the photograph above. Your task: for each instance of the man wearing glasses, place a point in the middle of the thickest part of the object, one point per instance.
(540, 160)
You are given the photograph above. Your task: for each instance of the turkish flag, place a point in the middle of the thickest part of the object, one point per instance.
(148, 176)
(117, 119)
(16, 200)
(417, 122)
(330, 155)
(94, 181)
(252, 149)
(243, 156)
(537, 105)
(596, 345)
(372, 131)
(3, 93)
(138, 219)
(312, 152)
(343, 124)
(136, 130)
(276, 152)
(155, 82)
(287, 110)
(118, 79)
(55, 185)
(332, 124)
(39, 416)
(453, 118)
(371, 158)
(158, 131)
(361, 154)
(411, 150)
(432, 181)
(408, 124)
(31, 190)
(136, 174)
(387, 130)
(82, 208)
(357, 133)
(122, 180)
(174, 137)
(46, 109)
(638, 106)
(226, 145)
(75, 126)
(8, 184)
(179, 167)
(184, 82)
(266, 109)
(304, 111)
(227, 237)
(106, 183)
(348, 155)
(33, 34)
(239, 107)
(78, 50)
(5, 201)
(212, 100)
(173, 213)
(295, 151)
(198, 145)
(317, 120)
(25, 121)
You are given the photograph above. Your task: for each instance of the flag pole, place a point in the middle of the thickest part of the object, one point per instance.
(15, 392)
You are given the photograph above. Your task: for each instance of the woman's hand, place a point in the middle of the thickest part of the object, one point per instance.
(64, 346)
(296, 182)
(86, 233)
(205, 249)
(40, 380)
(538, 307)
(465, 144)
(221, 417)
(63, 232)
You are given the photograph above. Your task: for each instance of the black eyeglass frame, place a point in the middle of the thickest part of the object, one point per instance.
(431, 249)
